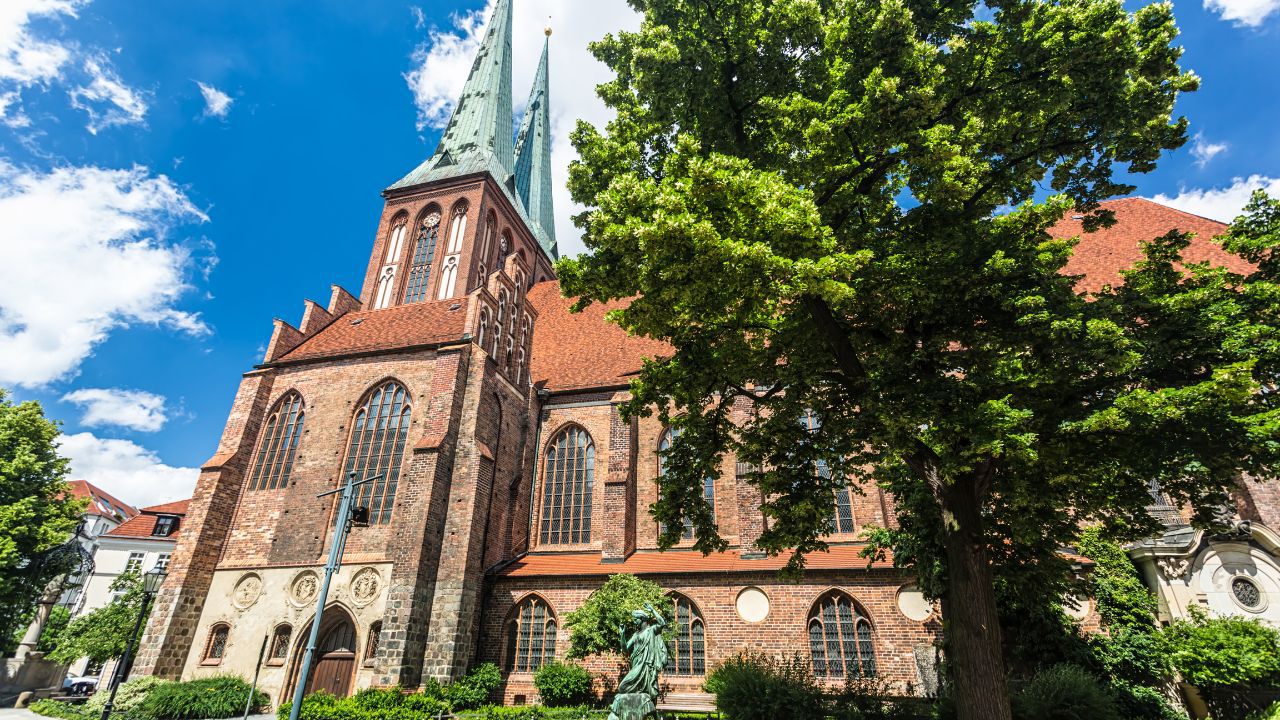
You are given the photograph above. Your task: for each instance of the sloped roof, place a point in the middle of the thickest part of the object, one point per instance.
(144, 524)
(177, 507)
(1101, 255)
(573, 351)
(840, 557)
(95, 495)
(392, 328)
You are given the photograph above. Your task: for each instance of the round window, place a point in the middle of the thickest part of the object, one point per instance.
(1247, 593)
(753, 605)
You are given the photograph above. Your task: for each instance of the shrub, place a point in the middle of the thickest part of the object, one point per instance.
(563, 684)
(1064, 692)
(129, 697)
(1136, 702)
(221, 696)
(1271, 713)
(869, 700)
(537, 712)
(1224, 651)
(756, 687)
(1133, 655)
(1123, 600)
(368, 704)
(61, 710)
(593, 627)
(474, 690)
(378, 698)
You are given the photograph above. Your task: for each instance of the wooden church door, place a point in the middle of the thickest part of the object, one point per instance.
(335, 660)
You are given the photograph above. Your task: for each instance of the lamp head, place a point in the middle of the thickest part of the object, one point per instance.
(151, 580)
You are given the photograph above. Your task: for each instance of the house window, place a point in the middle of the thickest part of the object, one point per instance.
(531, 636)
(134, 563)
(371, 645)
(162, 562)
(280, 644)
(840, 639)
(216, 647)
(567, 482)
(279, 444)
(708, 483)
(689, 648)
(424, 251)
(378, 435)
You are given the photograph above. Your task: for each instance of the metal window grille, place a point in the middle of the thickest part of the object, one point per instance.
(375, 637)
(279, 444)
(842, 521)
(424, 252)
(280, 642)
(532, 637)
(568, 478)
(840, 639)
(378, 436)
(689, 649)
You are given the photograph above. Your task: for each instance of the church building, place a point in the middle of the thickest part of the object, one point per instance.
(511, 485)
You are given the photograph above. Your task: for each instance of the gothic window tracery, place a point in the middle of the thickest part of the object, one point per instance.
(689, 647)
(483, 330)
(448, 277)
(840, 638)
(387, 277)
(708, 483)
(531, 636)
(424, 251)
(279, 444)
(216, 646)
(280, 643)
(568, 478)
(378, 434)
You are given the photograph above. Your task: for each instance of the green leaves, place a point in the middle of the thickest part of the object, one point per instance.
(593, 627)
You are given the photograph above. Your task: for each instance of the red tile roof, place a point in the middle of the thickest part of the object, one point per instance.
(143, 525)
(840, 557)
(573, 351)
(94, 494)
(1101, 255)
(397, 327)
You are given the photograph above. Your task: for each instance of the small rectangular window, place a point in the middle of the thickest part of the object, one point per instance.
(134, 563)
(165, 525)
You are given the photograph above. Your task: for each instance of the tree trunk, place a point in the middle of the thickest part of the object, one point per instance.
(974, 650)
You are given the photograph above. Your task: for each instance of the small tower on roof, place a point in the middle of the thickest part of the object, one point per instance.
(533, 157)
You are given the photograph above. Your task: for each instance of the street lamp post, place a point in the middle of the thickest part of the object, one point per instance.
(150, 586)
(348, 515)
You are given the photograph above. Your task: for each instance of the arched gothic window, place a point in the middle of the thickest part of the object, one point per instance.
(375, 639)
(458, 228)
(689, 648)
(708, 483)
(531, 636)
(278, 445)
(520, 368)
(378, 435)
(842, 516)
(519, 291)
(840, 638)
(567, 482)
(216, 646)
(387, 277)
(424, 251)
(280, 638)
(497, 323)
(483, 330)
(448, 278)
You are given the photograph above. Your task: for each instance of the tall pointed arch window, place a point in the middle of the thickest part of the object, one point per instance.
(387, 277)
(842, 514)
(497, 323)
(531, 636)
(486, 247)
(458, 227)
(279, 443)
(840, 638)
(378, 434)
(567, 483)
(708, 483)
(448, 278)
(483, 328)
(688, 654)
(424, 251)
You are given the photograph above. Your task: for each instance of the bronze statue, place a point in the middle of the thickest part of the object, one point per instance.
(637, 696)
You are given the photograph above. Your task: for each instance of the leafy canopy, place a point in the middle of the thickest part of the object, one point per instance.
(593, 626)
(103, 633)
(1224, 651)
(36, 513)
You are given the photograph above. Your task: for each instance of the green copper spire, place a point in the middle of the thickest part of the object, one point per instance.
(533, 158)
(478, 136)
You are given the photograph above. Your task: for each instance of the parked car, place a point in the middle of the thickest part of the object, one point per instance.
(76, 685)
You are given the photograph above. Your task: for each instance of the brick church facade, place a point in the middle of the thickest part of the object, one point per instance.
(512, 485)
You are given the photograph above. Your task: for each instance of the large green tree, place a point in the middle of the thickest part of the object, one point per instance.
(103, 633)
(841, 206)
(36, 513)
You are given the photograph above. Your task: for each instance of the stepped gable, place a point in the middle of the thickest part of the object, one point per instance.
(1101, 255)
(394, 328)
(576, 351)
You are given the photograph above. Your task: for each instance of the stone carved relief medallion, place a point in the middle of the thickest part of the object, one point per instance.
(304, 587)
(364, 586)
(247, 591)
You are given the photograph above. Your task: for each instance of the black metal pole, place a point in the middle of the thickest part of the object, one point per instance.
(118, 675)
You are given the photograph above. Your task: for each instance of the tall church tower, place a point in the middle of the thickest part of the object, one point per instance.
(423, 379)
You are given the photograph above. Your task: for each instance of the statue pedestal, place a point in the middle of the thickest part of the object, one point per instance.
(631, 706)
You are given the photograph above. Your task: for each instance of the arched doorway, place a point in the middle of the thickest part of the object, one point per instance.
(334, 664)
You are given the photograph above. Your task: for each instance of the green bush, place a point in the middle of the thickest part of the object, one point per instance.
(1133, 655)
(368, 704)
(1064, 692)
(1224, 651)
(756, 687)
(129, 697)
(537, 712)
(869, 700)
(61, 710)
(1271, 713)
(593, 626)
(563, 684)
(1136, 702)
(474, 690)
(221, 696)
(1123, 600)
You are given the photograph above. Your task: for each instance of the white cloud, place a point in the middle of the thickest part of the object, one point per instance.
(24, 58)
(419, 18)
(83, 252)
(106, 99)
(133, 409)
(216, 103)
(1222, 204)
(1247, 13)
(441, 66)
(1204, 151)
(127, 470)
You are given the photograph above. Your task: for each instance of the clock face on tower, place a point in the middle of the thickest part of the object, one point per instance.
(431, 220)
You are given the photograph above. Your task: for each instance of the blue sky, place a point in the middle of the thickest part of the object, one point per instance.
(175, 175)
